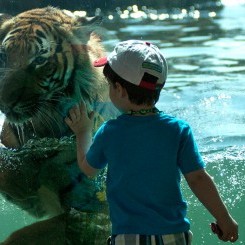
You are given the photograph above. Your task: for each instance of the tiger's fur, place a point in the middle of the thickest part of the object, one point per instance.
(46, 60)
(46, 65)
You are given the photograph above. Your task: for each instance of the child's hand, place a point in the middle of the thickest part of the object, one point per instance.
(228, 230)
(79, 120)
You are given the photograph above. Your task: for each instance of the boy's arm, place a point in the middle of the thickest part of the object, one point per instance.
(205, 189)
(81, 124)
(83, 143)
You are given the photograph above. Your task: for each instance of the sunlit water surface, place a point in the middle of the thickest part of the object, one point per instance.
(205, 53)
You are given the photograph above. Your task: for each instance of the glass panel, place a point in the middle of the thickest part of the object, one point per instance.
(46, 67)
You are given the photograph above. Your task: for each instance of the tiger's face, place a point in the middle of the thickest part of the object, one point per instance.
(29, 71)
(45, 59)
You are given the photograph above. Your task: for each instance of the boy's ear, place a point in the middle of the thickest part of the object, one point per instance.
(121, 90)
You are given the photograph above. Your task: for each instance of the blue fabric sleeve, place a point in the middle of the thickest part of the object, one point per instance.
(95, 155)
(189, 158)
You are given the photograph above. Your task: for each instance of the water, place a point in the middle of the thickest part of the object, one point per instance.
(205, 86)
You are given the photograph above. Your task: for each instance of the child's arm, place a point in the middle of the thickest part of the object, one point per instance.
(205, 189)
(81, 124)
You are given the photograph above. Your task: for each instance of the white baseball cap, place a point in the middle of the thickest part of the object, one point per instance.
(137, 62)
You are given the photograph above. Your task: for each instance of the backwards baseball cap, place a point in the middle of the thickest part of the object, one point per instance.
(138, 62)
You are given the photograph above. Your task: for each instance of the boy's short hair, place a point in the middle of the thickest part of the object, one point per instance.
(136, 94)
(139, 66)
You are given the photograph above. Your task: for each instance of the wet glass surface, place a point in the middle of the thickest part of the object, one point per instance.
(205, 52)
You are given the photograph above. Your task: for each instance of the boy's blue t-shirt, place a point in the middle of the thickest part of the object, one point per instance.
(145, 155)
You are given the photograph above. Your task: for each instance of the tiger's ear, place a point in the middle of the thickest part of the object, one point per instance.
(84, 26)
(4, 17)
(89, 21)
(5, 24)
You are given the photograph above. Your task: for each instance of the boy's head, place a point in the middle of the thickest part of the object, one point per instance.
(139, 67)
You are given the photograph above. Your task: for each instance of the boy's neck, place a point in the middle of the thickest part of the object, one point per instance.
(142, 110)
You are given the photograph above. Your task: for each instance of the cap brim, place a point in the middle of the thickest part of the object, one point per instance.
(100, 62)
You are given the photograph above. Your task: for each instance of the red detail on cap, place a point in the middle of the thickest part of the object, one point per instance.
(100, 62)
(147, 85)
(148, 43)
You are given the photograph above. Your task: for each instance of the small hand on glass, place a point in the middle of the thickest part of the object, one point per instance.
(79, 120)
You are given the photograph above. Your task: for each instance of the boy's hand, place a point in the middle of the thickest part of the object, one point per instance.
(79, 120)
(229, 229)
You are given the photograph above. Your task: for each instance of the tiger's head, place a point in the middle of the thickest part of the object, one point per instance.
(46, 60)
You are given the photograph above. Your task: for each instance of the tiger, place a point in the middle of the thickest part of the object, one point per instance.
(46, 67)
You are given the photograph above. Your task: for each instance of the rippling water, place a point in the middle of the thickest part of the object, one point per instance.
(206, 57)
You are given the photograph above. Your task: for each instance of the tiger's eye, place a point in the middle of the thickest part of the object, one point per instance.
(40, 60)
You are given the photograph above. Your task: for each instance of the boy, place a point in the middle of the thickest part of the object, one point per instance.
(145, 151)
